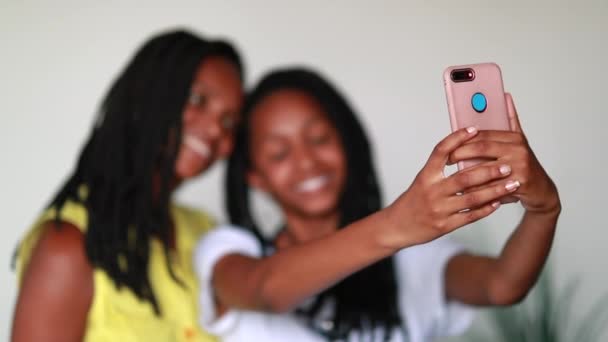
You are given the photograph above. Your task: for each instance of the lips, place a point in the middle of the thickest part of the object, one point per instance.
(312, 184)
(197, 145)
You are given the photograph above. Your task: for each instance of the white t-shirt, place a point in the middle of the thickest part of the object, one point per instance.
(419, 272)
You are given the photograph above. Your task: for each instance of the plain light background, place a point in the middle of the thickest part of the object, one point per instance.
(57, 60)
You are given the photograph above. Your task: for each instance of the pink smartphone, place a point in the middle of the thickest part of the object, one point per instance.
(476, 97)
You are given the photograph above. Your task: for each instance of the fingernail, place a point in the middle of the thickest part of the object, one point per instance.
(471, 130)
(512, 185)
(496, 204)
(505, 169)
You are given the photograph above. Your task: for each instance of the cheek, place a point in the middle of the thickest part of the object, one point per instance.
(333, 156)
(277, 176)
(225, 146)
(188, 116)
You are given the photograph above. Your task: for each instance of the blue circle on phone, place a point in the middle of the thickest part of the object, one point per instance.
(479, 102)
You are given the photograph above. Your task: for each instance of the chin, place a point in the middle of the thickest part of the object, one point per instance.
(320, 209)
(187, 172)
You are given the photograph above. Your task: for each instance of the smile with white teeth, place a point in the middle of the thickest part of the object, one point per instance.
(312, 184)
(197, 145)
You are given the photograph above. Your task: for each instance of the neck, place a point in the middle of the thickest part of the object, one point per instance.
(302, 228)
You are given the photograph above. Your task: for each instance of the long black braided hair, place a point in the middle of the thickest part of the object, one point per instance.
(367, 299)
(123, 175)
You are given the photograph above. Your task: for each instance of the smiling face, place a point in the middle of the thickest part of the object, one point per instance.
(297, 154)
(209, 117)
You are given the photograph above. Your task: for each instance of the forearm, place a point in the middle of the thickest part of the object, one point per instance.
(282, 281)
(523, 256)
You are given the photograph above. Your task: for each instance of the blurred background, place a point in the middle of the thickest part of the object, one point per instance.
(58, 58)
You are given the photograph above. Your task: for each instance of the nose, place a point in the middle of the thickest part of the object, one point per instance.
(305, 158)
(212, 128)
(208, 124)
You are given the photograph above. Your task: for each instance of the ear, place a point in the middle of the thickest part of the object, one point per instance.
(256, 181)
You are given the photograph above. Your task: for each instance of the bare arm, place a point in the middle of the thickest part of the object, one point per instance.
(281, 281)
(507, 279)
(57, 289)
(426, 211)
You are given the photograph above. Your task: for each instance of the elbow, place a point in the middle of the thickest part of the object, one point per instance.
(503, 293)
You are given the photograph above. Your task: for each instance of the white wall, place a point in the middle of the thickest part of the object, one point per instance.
(58, 58)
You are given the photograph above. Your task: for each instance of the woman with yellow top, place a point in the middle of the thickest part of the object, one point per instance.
(110, 260)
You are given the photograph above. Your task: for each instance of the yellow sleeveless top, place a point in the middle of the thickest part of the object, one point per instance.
(118, 315)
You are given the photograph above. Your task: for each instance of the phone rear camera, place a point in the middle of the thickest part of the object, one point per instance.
(463, 75)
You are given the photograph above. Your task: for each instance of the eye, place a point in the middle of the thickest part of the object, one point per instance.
(320, 139)
(279, 155)
(197, 99)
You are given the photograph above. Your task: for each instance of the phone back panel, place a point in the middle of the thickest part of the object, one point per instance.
(488, 82)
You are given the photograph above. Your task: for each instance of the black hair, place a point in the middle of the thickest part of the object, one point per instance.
(124, 172)
(367, 299)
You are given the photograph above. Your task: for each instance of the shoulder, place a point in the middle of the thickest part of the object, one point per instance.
(423, 267)
(436, 251)
(228, 238)
(56, 233)
(420, 273)
(60, 253)
(57, 285)
(224, 240)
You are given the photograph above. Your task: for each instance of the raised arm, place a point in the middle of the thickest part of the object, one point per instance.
(429, 209)
(507, 279)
